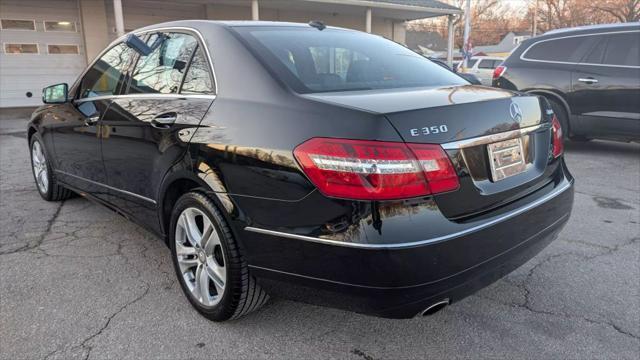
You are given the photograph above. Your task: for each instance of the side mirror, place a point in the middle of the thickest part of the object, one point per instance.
(55, 94)
(470, 78)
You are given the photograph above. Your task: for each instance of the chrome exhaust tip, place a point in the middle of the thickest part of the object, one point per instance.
(435, 307)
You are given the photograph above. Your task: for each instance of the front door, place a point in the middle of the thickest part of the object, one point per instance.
(76, 136)
(606, 87)
(169, 89)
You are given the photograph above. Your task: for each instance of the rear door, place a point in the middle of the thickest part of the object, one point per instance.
(76, 135)
(170, 89)
(606, 87)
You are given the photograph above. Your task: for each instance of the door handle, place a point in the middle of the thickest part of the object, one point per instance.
(164, 121)
(588, 80)
(92, 120)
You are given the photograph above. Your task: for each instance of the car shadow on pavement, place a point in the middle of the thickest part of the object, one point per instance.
(603, 147)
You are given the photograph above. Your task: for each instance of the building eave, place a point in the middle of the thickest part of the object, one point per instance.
(392, 6)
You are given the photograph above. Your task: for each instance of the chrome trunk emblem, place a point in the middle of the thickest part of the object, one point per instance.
(516, 113)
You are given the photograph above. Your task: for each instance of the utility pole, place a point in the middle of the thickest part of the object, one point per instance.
(535, 18)
(466, 47)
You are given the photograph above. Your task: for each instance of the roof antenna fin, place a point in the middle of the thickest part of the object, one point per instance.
(317, 24)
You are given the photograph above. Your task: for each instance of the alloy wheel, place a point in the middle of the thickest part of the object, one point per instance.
(40, 170)
(200, 256)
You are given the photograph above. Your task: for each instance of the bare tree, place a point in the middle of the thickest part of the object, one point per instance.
(620, 10)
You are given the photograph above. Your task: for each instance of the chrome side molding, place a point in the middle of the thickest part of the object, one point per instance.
(472, 229)
(106, 186)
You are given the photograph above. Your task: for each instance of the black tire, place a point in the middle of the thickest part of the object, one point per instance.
(54, 191)
(242, 294)
(561, 113)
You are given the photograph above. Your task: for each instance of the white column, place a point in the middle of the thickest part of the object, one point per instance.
(367, 24)
(467, 31)
(450, 38)
(399, 32)
(255, 10)
(117, 14)
(95, 31)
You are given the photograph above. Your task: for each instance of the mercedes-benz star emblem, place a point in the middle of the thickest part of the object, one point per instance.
(516, 113)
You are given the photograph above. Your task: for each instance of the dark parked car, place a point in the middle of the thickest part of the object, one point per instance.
(472, 79)
(590, 75)
(320, 164)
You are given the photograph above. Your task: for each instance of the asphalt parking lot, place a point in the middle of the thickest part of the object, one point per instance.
(77, 281)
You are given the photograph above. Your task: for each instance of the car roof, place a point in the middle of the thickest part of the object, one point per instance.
(201, 24)
(618, 26)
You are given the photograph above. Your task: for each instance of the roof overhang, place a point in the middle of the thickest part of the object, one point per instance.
(392, 10)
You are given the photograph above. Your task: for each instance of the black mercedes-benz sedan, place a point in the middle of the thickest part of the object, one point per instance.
(315, 163)
(589, 74)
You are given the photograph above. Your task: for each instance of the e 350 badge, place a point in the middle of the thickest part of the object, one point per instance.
(429, 130)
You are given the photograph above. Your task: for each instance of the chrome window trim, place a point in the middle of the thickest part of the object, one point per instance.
(106, 186)
(488, 139)
(146, 96)
(200, 38)
(523, 58)
(472, 229)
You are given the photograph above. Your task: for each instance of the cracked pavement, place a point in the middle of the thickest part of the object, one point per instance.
(79, 282)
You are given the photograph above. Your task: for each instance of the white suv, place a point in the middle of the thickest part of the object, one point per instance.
(482, 67)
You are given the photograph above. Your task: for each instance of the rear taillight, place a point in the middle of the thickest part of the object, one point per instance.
(558, 137)
(375, 170)
(499, 71)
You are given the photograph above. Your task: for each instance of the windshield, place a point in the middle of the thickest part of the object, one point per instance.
(309, 60)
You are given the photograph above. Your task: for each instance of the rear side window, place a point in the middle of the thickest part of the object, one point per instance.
(488, 64)
(198, 78)
(104, 77)
(570, 49)
(308, 60)
(623, 49)
(162, 70)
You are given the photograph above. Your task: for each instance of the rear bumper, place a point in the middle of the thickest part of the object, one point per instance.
(401, 280)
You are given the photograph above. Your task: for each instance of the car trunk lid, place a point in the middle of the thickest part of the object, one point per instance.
(471, 123)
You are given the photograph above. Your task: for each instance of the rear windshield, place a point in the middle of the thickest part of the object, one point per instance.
(310, 61)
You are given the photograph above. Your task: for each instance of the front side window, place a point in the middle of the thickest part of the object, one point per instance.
(106, 75)
(595, 55)
(570, 49)
(162, 70)
(623, 49)
(198, 78)
(308, 60)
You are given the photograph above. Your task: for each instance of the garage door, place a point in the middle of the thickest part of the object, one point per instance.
(41, 45)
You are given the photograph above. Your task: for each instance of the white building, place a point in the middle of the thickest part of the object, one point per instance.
(51, 41)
